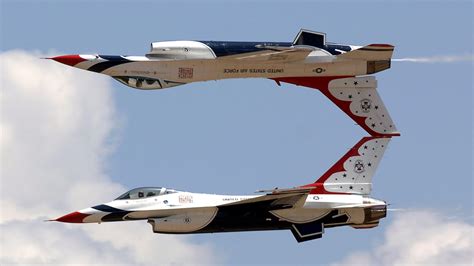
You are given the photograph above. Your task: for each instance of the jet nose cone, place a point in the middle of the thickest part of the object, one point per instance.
(70, 60)
(74, 217)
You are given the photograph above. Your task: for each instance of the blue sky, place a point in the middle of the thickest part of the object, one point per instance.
(237, 136)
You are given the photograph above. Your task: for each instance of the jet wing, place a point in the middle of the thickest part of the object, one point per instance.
(277, 199)
(273, 54)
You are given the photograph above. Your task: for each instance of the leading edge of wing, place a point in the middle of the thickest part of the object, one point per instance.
(285, 198)
(273, 54)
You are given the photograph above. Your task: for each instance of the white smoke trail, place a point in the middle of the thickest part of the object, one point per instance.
(437, 59)
(396, 210)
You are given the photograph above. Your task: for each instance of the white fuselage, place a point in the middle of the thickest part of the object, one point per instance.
(176, 72)
(313, 207)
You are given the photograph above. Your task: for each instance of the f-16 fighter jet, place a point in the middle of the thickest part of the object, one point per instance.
(338, 198)
(309, 61)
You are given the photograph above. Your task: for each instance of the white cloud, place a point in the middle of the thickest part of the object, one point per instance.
(56, 123)
(28, 242)
(420, 237)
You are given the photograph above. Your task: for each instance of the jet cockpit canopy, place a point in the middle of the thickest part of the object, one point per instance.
(145, 192)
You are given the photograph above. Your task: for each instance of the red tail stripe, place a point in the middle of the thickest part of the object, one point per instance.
(337, 167)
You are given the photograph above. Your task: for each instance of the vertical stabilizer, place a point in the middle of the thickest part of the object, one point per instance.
(353, 173)
(355, 96)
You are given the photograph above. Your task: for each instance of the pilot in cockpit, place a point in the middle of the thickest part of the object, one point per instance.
(145, 192)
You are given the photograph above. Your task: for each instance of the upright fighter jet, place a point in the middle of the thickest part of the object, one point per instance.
(337, 70)
(339, 197)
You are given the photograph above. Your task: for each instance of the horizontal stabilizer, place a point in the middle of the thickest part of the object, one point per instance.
(372, 52)
(278, 191)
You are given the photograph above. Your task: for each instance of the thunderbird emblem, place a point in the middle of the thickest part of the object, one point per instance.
(359, 166)
(365, 105)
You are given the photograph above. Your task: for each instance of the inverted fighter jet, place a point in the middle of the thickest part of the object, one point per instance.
(309, 60)
(338, 198)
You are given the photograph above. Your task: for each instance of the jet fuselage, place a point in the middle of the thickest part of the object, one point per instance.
(339, 197)
(184, 212)
(176, 63)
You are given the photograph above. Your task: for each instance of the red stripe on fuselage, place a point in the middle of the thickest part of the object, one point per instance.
(70, 60)
(74, 217)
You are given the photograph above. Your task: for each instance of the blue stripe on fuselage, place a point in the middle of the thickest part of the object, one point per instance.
(224, 48)
(112, 60)
(106, 208)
